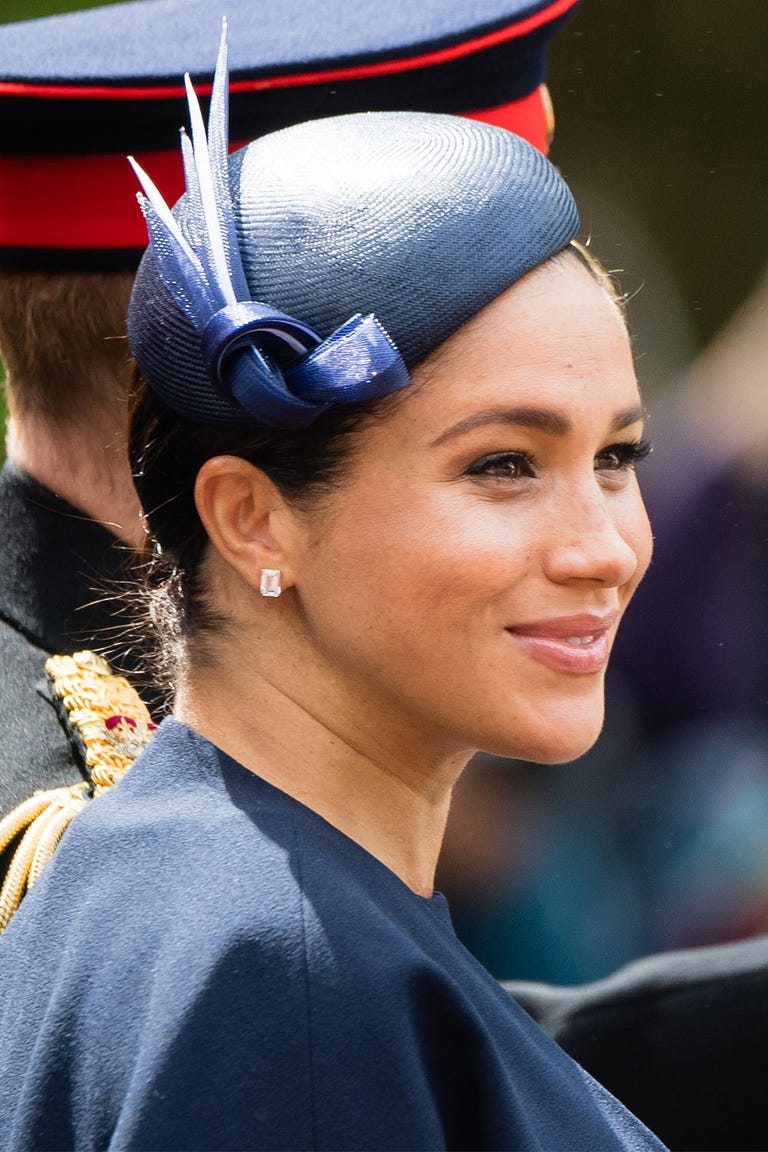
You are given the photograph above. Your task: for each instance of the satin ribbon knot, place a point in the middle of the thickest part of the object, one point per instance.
(284, 374)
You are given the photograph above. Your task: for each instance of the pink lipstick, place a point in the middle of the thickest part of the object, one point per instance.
(578, 645)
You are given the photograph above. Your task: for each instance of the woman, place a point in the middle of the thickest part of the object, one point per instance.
(387, 540)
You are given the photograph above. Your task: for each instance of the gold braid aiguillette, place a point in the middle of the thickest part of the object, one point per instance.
(113, 725)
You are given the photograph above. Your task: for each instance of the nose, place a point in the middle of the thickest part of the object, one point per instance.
(599, 538)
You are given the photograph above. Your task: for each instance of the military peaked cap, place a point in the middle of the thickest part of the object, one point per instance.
(79, 91)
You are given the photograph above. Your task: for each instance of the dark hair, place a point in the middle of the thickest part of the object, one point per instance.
(168, 450)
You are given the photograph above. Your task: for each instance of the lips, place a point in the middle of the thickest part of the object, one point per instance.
(578, 645)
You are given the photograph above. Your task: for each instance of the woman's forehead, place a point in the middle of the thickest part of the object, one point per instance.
(558, 314)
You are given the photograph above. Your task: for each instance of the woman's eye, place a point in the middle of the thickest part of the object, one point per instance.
(622, 457)
(503, 466)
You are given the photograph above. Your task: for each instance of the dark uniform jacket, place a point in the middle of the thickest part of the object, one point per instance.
(57, 571)
(680, 1038)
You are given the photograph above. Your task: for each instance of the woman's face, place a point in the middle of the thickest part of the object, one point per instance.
(468, 577)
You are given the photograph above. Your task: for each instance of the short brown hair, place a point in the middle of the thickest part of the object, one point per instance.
(61, 335)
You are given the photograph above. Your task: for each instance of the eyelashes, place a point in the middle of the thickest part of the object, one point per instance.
(503, 466)
(623, 456)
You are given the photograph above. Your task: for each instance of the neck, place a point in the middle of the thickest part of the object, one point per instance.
(86, 465)
(392, 801)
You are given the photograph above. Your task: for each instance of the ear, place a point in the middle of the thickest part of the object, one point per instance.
(246, 517)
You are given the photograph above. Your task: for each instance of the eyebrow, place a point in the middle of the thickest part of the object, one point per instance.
(541, 419)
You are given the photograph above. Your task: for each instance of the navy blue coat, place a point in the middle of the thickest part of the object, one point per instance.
(208, 964)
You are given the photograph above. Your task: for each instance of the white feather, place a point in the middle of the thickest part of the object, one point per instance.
(155, 198)
(208, 196)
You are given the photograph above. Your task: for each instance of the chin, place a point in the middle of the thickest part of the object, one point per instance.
(555, 739)
(563, 752)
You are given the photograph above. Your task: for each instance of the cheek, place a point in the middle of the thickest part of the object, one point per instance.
(465, 525)
(418, 567)
(451, 551)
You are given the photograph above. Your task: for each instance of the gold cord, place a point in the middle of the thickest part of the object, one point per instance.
(37, 845)
(114, 725)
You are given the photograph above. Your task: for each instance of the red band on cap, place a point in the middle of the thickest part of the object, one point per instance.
(79, 201)
(89, 202)
(330, 75)
(527, 117)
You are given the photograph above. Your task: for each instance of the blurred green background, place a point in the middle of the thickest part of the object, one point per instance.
(660, 129)
(29, 9)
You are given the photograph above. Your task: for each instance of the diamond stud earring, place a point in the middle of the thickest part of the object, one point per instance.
(270, 582)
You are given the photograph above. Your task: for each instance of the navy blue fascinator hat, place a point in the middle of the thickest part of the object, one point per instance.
(319, 264)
